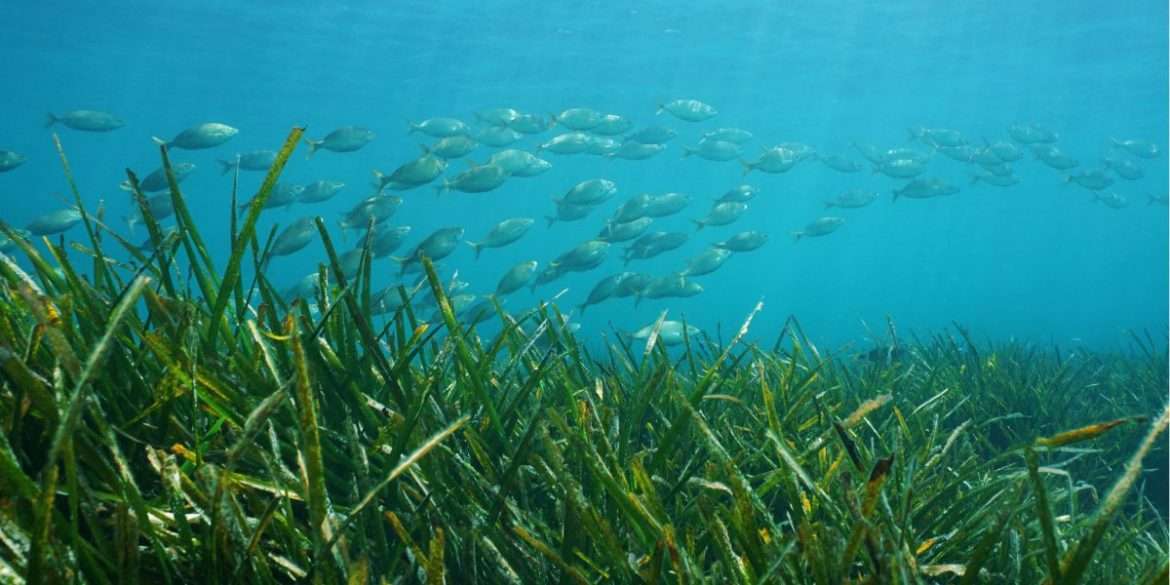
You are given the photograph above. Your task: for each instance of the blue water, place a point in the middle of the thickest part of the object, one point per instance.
(1037, 261)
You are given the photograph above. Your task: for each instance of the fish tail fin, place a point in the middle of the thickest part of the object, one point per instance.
(829, 204)
(314, 145)
(478, 247)
(226, 166)
(698, 224)
(51, 119)
(1150, 199)
(895, 199)
(550, 219)
(412, 126)
(661, 108)
(160, 141)
(687, 151)
(974, 179)
(747, 166)
(131, 222)
(796, 236)
(440, 189)
(581, 308)
(379, 179)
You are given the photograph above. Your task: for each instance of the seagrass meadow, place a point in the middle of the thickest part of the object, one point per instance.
(166, 421)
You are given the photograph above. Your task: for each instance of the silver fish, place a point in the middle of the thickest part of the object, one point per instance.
(378, 208)
(86, 120)
(54, 222)
(637, 151)
(1139, 148)
(567, 143)
(531, 123)
(1031, 134)
(477, 179)
(821, 227)
(440, 127)
(516, 277)
(604, 289)
(925, 188)
(438, 245)
(257, 160)
(454, 146)
(670, 333)
(579, 118)
(735, 135)
(497, 136)
(653, 244)
(344, 139)
(388, 239)
(739, 194)
(415, 173)
(688, 110)
(590, 192)
(624, 232)
(1092, 179)
(721, 214)
(207, 135)
(652, 135)
(10, 160)
(744, 241)
(295, 237)
(707, 262)
(840, 164)
(502, 234)
(612, 125)
(157, 179)
(716, 150)
(319, 191)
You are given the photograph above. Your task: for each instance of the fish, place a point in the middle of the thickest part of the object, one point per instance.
(821, 227)
(350, 262)
(1000, 169)
(716, 150)
(738, 194)
(387, 300)
(900, 168)
(477, 179)
(157, 180)
(636, 151)
(1005, 151)
(652, 135)
(497, 136)
(7, 245)
(418, 172)
(744, 241)
(633, 208)
(502, 234)
(257, 160)
(995, 179)
(840, 164)
(624, 232)
(520, 163)
(282, 195)
(453, 147)
(86, 120)
(937, 136)
(549, 274)
(666, 204)
(965, 153)
(603, 290)
(1052, 156)
(344, 139)
(735, 135)
(721, 214)
(688, 110)
(673, 286)
(531, 123)
(497, 116)
(378, 208)
(706, 262)
(436, 246)
(516, 277)
(440, 127)
(653, 244)
(579, 118)
(160, 207)
(925, 188)
(295, 237)
(774, 160)
(54, 222)
(1111, 199)
(871, 153)
(612, 125)
(569, 212)
(1138, 148)
(319, 191)
(1152, 199)
(852, 199)
(670, 333)
(388, 239)
(567, 143)
(589, 192)
(1092, 179)
(1126, 169)
(1031, 134)
(305, 288)
(583, 257)
(633, 284)
(10, 160)
(603, 146)
(206, 135)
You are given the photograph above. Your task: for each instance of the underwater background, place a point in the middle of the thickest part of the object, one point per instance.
(1038, 261)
